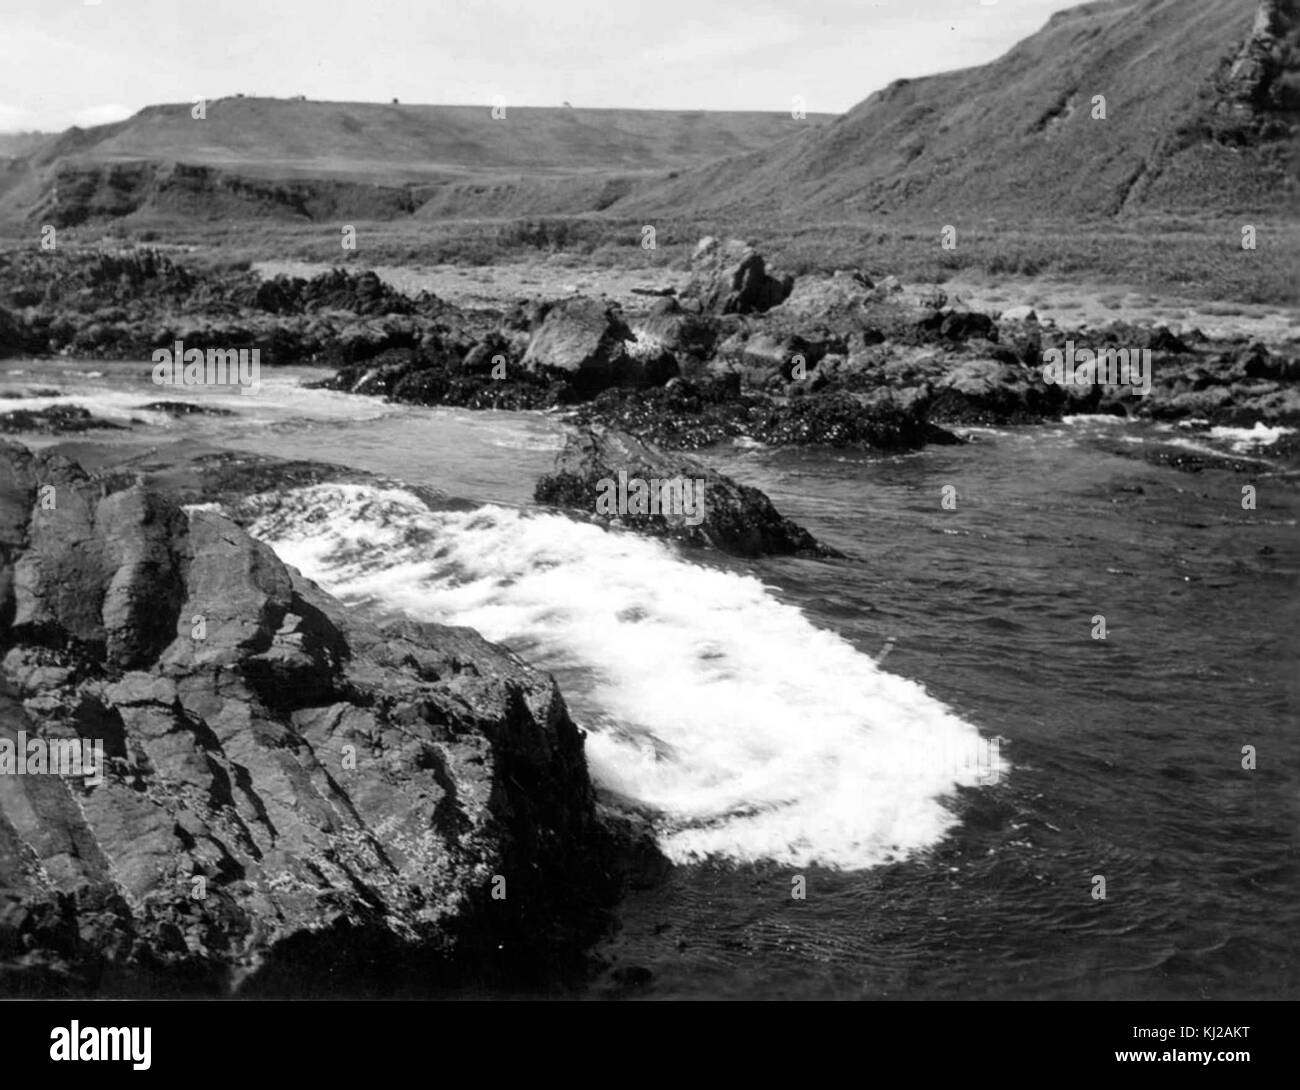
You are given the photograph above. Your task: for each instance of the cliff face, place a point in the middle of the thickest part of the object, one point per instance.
(294, 800)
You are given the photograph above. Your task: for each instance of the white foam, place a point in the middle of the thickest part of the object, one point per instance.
(1087, 419)
(1242, 439)
(749, 732)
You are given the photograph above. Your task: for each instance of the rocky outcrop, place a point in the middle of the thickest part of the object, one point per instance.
(588, 344)
(125, 305)
(13, 338)
(56, 419)
(686, 415)
(838, 362)
(362, 294)
(600, 472)
(293, 800)
(841, 297)
(990, 391)
(731, 278)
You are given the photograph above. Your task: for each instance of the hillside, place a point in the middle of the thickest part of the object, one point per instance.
(302, 158)
(13, 145)
(1202, 100)
(1202, 107)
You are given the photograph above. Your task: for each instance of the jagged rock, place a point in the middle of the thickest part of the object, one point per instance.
(681, 332)
(732, 517)
(953, 324)
(827, 299)
(731, 278)
(294, 798)
(767, 357)
(986, 391)
(13, 339)
(587, 342)
(55, 419)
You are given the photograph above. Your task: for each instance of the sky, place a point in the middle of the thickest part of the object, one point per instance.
(88, 62)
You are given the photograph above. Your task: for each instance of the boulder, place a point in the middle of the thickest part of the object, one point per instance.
(990, 391)
(731, 278)
(599, 465)
(681, 332)
(586, 342)
(293, 798)
(827, 298)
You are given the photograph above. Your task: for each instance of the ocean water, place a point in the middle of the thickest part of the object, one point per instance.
(909, 773)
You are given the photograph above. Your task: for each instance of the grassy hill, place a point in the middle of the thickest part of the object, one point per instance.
(1201, 109)
(258, 156)
(1202, 101)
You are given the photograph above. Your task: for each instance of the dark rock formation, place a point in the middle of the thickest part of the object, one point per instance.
(295, 800)
(56, 419)
(732, 517)
(837, 361)
(587, 343)
(686, 415)
(990, 391)
(731, 278)
(13, 338)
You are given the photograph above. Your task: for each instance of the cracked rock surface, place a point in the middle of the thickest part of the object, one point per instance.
(295, 799)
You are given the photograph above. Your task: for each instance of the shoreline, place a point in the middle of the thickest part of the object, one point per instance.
(727, 350)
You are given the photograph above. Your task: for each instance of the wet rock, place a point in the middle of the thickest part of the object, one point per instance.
(56, 419)
(690, 415)
(601, 473)
(184, 408)
(295, 800)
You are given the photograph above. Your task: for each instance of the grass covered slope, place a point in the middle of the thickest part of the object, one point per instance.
(395, 144)
(250, 157)
(1202, 98)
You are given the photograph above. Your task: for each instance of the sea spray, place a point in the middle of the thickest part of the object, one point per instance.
(744, 730)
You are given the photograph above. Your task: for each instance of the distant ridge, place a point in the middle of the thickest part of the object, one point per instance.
(285, 156)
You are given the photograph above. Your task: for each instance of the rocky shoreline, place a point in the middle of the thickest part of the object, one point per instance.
(296, 800)
(740, 352)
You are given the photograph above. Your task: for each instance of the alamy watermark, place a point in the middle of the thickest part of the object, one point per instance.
(1111, 366)
(183, 366)
(53, 757)
(680, 496)
(113, 1043)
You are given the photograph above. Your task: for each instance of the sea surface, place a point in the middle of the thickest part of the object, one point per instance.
(913, 773)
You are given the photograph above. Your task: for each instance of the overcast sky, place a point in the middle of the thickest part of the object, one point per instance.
(81, 62)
